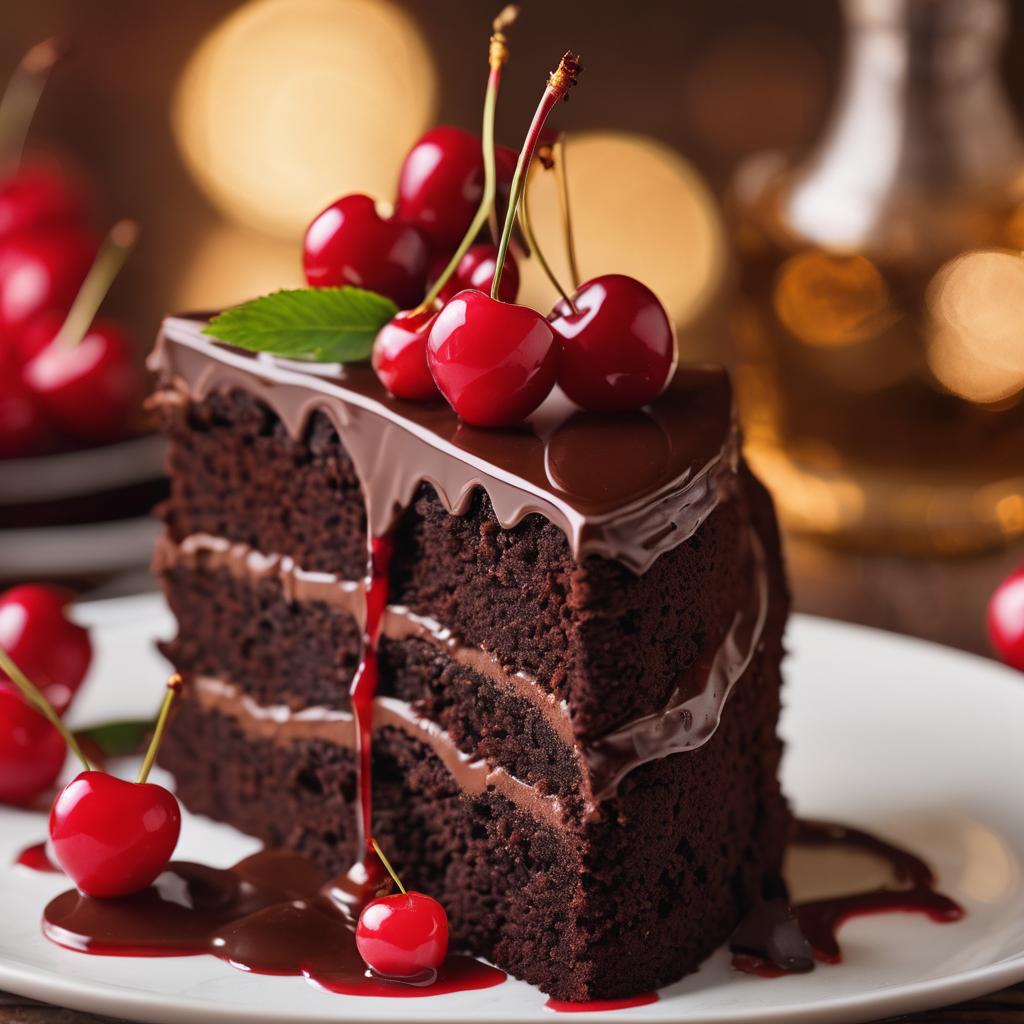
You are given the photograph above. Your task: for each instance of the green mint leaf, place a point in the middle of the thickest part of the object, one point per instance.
(117, 739)
(326, 325)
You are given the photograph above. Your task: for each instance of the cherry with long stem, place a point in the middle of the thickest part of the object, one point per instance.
(558, 150)
(387, 864)
(174, 684)
(34, 697)
(560, 81)
(116, 248)
(526, 224)
(497, 58)
(495, 362)
(21, 98)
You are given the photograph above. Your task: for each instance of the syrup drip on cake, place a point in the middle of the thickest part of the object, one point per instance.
(776, 938)
(273, 913)
(367, 874)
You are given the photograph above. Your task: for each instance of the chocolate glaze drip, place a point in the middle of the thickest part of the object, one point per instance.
(688, 720)
(273, 913)
(663, 470)
(775, 938)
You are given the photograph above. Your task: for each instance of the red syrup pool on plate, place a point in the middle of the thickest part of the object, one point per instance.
(35, 859)
(598, 1005)
(776, 938)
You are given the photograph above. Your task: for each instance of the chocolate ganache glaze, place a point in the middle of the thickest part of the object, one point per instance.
(663, 470)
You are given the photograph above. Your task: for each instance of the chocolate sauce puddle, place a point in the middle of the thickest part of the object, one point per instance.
(272, 913)
(776, 938)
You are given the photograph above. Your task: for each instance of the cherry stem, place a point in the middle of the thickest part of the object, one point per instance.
(562, 176)
(21, 97)
(560, 81)
(497, 56)
(173, 686)
(35, 698)
(531, 240)
(116, 248)
(387, 864)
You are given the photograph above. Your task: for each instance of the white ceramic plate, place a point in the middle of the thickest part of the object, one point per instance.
(921, 744)
(78, 549)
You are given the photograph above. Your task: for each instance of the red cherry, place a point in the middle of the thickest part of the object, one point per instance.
(476, 270)
(349, 244)
(442, 182)
(494, 362)
(45, 644)
(90, 390)
(112, 837)
(42, 271)
(403, 936)
(21, 422)
(1006, 619)
(36, 335)
(41, 195)
(32, 752)
(400, 356)
(618, 350)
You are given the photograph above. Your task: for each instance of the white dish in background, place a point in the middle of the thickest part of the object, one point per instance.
(920, 744)
(89, 471)
(78, 549)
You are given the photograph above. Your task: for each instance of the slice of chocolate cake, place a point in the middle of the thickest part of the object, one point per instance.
(573, 743)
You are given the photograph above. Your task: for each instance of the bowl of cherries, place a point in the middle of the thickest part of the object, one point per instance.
(74, 446)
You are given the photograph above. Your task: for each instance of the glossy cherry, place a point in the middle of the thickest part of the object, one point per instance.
(400, 356)
(442, 181)
(493, 362)
(41, 195)
(350, 244)
(1006, 619)
(21, 423)
(476, 270)
(42, 271)
(113, 837)
(403, 936)
(618, 349)
(90, 390)
(49, 648)
(32, 751)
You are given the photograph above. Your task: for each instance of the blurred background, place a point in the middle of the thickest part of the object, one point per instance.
(827, 196)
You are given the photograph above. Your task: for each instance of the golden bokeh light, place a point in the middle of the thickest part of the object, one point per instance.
(830, 300)
(638, 208)
(976, 340)
(288, 104)
(231, 264)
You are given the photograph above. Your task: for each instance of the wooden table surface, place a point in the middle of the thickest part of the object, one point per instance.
(942, 601)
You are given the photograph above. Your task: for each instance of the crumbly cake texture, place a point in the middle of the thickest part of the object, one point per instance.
(505, 661)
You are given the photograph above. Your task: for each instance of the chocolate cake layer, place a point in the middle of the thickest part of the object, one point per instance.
(574, 729)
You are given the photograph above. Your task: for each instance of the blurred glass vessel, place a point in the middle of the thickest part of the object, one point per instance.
(880, 319)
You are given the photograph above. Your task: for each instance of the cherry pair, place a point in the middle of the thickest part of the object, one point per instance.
(111, 837)
(611, 349)
(440, 186)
